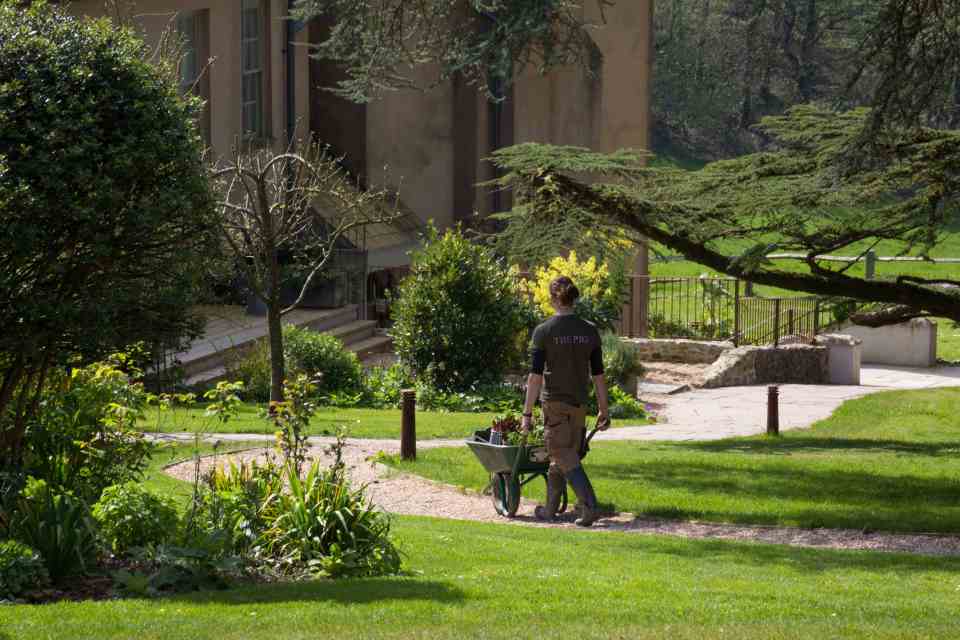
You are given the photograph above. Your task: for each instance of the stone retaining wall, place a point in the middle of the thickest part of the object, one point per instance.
(791, 364)
(910, 344)
(684, 351)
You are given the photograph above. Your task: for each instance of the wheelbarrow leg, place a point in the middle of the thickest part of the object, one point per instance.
(506, 493)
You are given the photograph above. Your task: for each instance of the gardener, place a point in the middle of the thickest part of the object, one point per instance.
(566, 353)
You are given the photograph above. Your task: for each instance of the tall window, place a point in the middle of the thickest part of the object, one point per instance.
(188, 30)
(193, 28)
(252, 66)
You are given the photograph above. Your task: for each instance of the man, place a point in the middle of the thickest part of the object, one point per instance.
(566, 352)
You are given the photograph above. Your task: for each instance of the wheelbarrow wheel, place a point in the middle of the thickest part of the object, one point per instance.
(506, 494)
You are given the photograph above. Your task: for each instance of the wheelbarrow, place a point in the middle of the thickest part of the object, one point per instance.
(513, 466)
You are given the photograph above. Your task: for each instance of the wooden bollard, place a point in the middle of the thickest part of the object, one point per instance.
(408, 425)
(773, 410)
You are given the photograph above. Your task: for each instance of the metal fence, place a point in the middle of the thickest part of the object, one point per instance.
(676, 307)
(776, 321)
(718, 309)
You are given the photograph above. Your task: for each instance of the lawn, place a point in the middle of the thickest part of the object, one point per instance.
(885, 462)
(474, 580)
(359, 423)
(471, 580)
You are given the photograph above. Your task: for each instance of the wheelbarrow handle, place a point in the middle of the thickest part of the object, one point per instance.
(516, 461)
(592, 433)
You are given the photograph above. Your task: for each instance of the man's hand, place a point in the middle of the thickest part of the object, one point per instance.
(525, 424)
(603, 421)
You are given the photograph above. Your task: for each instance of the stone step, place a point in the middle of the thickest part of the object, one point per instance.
(345, 315)
(210, 376)
(212, 352)
(210, 369)
(353, 332)
(370, 346)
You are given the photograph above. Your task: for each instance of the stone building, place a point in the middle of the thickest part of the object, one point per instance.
(261, 83)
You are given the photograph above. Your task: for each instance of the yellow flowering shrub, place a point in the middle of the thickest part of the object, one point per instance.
(601, 294)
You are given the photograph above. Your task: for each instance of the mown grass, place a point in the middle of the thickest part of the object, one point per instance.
(888, 462)
(359, 423)
(472, 580)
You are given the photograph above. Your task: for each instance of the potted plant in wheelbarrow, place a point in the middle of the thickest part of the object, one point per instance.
(513, 459)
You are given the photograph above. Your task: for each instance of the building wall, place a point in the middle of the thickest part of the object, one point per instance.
(431, 146)
(410, 145)
(224, 73)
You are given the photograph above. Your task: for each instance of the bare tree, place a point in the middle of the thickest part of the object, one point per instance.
(300, 203)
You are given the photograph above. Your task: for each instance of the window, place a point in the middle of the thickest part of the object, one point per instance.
(252, 68)
(188, 29)
(193, 29)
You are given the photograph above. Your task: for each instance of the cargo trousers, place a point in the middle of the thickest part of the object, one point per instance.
(563, 429)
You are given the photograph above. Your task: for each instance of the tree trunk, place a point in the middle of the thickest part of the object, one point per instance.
(275, 332)
(11, 378)
(807, 76)
(747, 115)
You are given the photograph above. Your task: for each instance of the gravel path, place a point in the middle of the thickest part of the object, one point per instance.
(411, 495)
(702, 414)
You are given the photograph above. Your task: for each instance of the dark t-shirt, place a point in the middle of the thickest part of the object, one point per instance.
(566, 351)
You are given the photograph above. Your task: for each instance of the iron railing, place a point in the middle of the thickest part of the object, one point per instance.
(678, 307)
(719, 308)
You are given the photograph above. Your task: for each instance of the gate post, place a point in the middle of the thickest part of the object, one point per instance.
(641, 292)
(776, 322)
(736, 313)
(870, 266)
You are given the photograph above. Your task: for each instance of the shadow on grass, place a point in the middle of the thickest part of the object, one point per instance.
(343, 591)
(807, 560)
(801, 444)
(787, 481)
(822, 495)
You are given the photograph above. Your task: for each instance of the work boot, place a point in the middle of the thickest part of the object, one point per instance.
(555, 486)
(588, 499)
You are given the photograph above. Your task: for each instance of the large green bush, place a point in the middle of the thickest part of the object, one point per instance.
(319, 356)
(104, 201)
(130, 516)
(322, 357)
(460, 319)
(21, 569)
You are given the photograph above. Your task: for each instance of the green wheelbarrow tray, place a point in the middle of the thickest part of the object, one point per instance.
(510, 459)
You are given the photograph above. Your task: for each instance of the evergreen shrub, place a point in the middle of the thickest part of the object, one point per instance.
(461, 320)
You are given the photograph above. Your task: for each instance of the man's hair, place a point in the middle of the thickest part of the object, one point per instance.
(564, 291)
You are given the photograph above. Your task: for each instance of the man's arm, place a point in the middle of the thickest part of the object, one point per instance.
(600, 386)
(534, 384)
(538, 364)
(603, 402)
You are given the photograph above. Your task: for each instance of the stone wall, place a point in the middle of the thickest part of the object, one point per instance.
(684, 351)
(909, 344)
(796, 364)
